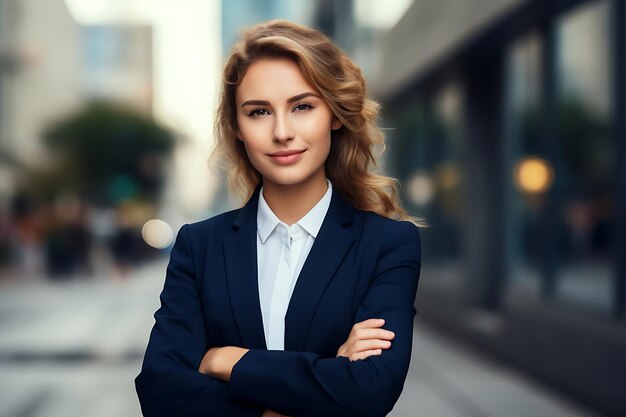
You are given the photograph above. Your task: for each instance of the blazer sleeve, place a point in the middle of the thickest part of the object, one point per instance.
(169, 383)
(305, 384)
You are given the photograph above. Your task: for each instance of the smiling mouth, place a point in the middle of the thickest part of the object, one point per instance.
(286, 159)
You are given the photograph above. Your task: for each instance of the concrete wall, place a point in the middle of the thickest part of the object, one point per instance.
(430, 31)
(46, 43)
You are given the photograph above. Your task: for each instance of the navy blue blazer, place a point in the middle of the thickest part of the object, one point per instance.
(361, 266)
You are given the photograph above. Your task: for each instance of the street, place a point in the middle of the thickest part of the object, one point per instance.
(73, 349)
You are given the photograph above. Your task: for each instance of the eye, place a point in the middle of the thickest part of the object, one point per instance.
(258, 112)
(303, 106)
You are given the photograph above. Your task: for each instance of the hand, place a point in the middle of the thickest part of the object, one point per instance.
(270, 413)
(218, 362)
(366, 339)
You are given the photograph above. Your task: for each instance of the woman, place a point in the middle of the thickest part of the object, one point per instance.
(300, 302)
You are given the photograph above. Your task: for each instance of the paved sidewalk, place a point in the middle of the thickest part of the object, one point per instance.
(73, 349)
(450, 380)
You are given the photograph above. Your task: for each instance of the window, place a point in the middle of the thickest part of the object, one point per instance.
(586, 206)
(529, 169)
(426, 149)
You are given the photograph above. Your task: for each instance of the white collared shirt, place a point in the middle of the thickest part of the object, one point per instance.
(281, 252)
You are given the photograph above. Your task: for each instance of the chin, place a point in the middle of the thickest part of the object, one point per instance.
(288, 179)
(283, 181)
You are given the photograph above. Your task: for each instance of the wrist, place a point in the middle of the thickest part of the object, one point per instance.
(222, 361)
(206, 365)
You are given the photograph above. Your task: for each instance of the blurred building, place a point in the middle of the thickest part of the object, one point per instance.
(39, 69)
(54, 65)
(118, 64)
(507, 126)
(359, 27)
(40, 42)
(7, 63)
(237, 15)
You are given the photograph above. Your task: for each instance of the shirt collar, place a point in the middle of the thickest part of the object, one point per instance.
(311, 222)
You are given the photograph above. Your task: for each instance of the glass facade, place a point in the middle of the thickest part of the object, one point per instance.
(569, 167)
(584, 169)
(426, 152)
(512, 147)
(556, 150)
(523, 147)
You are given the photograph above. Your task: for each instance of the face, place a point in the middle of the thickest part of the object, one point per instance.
(283, 122)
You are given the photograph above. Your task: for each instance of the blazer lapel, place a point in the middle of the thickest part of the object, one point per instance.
(242, 274)
(331, 245)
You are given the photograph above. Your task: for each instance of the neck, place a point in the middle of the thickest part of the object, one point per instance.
(291, 202)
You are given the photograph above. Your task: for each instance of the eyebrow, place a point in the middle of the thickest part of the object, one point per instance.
(267, 103)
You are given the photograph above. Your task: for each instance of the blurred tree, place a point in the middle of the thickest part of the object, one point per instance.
(106, 154)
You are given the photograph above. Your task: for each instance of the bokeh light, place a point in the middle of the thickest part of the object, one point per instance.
(157, 233)
(420, 189)
(533, 175)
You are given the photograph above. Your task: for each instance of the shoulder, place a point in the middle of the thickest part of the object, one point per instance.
(217, 226)
(386, 226)
(389, 234)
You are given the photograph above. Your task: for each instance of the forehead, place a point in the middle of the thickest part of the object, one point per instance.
(272, 79)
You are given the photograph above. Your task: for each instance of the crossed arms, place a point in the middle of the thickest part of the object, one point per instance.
(291, 383)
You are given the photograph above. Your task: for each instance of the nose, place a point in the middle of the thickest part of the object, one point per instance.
(282, 129)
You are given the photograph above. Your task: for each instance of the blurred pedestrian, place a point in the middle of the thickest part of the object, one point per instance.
(122, 243)
(29, 219)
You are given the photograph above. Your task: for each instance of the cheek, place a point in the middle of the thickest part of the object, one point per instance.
(316, 129)
(250, 142)
(242, 127)
(324, 139)
(251, 135)
(254, 152)
(255, 157)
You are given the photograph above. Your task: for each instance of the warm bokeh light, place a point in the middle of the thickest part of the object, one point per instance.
(420, 189)
(533, 175)
(157, 233)
(448, 175)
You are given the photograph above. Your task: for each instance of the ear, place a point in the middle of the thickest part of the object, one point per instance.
(336, 123)
(239, 135)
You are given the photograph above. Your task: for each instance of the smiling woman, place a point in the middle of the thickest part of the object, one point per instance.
(279, 306)
(287, 133)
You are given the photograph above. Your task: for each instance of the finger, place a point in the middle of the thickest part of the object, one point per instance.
(348, 350)
(343, 351)
(374, 334)
(369, 323)
(365, 354)
(363, 345)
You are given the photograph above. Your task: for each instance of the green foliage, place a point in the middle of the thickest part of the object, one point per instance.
(107, 153)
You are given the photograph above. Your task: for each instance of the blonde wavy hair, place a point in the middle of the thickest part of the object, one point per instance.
(341, 84)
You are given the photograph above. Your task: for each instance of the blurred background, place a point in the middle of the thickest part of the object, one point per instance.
(505, 123)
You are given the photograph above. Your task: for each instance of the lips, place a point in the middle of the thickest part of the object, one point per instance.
(286, 153)
(286, 157)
